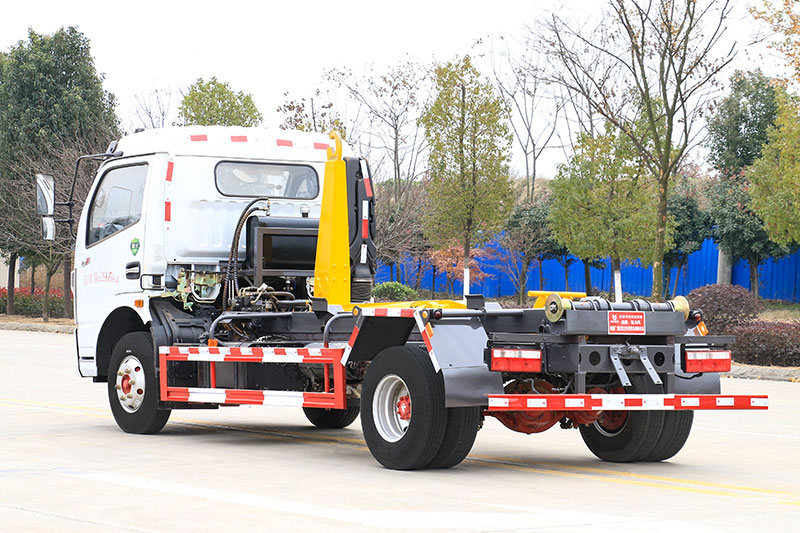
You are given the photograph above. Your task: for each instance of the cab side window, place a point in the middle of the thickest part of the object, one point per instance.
(117, 202)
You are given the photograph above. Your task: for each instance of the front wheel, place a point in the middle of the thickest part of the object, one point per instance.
(403, 415)
(133, 387)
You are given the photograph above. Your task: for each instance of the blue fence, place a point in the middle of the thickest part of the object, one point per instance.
(779, 279)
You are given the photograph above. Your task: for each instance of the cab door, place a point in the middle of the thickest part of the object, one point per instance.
(109, 246)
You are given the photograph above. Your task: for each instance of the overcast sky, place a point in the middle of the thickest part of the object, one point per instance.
(268, 48)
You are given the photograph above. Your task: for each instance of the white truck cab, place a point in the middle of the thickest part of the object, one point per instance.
(169, 204)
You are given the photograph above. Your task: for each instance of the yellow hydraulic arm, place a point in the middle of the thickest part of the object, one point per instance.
(332, 265)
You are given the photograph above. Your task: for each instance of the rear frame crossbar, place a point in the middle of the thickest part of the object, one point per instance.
(329, 357)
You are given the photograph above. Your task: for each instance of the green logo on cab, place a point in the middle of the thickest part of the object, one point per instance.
(135, 246)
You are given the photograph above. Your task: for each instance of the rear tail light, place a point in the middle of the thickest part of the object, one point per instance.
(708, 361)
(516, 360)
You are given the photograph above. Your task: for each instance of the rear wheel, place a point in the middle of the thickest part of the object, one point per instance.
(331, 418)
(403, 415)
(133, 387)
(459, 436)
(677, 426)
(625, 436)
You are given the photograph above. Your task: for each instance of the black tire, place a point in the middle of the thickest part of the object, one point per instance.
(638, 435)
(415, 445)
(144, 417)
(459, 436)
(331, 418)
(677, 426)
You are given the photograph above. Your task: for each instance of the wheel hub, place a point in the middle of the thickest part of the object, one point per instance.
(404, 408)
(391, 408)
(130, 384)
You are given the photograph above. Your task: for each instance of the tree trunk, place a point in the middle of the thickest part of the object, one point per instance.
(48, 275)
(522, 282)
(661, 234)
(587, 277)
(433, 283)
(754, 279)
(12, 282)
(466, 267)
(684, 266)
(615, 269)
(566, 276)
(541, 275)
(67, 266)
(668, 276)
(33, 279)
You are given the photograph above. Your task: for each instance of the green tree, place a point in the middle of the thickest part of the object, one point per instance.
(692, 227)
(522, 242)
(604, 203)
(775, 177)
(738, 131)
(52, 109)
(738, 128)
(209, 103)
(469, 191)
(738, 230)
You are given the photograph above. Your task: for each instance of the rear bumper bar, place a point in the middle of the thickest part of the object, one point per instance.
(624, 402)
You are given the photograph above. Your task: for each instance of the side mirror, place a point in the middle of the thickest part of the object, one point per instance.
(48, 228)
(45, 196)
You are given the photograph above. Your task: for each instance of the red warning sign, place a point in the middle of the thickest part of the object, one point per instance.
(626, 323)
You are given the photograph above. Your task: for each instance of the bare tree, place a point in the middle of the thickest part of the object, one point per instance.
(154, 109)
(658, 79)
(392, 105)
(535, 116)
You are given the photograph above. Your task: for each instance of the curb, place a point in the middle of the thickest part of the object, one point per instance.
(767, 373)
(45, 328)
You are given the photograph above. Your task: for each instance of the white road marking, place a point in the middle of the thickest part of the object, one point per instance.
(384, 518)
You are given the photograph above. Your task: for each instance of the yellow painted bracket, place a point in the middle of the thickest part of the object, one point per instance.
(541, 296)
(332, 264)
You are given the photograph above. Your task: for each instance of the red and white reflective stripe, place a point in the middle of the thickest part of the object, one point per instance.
(365, 219)
(516, 360)
(708, 361)
(170, 167)
(623, 402)
(238, 138)
(427, 333)
(321, 146)
(249, 397)
(198, 138)
(249, 354)
(365, 176)
(239, 397)
(167, 211)
(350, 342)
(285, 142)
(405, 312)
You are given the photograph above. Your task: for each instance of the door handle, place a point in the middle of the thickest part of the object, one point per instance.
(132, 270)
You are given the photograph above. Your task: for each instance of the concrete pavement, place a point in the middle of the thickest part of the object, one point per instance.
(64, 465)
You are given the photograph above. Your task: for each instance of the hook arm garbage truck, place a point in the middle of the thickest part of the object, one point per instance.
(222, 266)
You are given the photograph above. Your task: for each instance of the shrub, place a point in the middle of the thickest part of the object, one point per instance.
(392, 291)
(29, 304)
(724, 306)
(767, 343)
